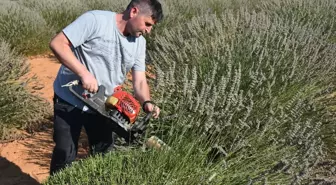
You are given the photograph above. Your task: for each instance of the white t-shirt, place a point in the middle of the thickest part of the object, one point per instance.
(104, 50)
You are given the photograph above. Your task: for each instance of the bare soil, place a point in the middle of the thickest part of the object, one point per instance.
(27, 161)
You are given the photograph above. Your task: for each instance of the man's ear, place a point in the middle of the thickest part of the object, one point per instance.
(134, 12)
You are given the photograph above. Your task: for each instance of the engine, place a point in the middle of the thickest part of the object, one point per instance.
(124, 103)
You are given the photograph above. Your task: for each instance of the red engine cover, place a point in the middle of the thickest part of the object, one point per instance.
(126, 104)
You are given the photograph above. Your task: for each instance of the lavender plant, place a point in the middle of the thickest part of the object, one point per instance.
(23, 28)
(112, 5)
(18, 108)
(251, 85)
(57, 14)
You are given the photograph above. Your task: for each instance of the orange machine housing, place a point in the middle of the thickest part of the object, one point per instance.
(125, 103)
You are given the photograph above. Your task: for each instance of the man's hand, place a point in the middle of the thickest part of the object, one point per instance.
(89, 82)
(149, 107)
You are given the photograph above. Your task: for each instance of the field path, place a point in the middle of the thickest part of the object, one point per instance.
(27, 161)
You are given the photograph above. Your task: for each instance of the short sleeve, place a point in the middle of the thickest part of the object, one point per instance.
(82, 29)
(140, 64)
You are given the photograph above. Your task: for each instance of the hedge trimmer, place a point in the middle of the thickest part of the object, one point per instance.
(122, 111)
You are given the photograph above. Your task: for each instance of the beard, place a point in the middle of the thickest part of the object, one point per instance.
(133, 31)
(136, 33)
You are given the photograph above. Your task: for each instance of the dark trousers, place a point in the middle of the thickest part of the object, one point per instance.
(68, 122)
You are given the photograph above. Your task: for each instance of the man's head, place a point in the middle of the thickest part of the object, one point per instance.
(142, 15)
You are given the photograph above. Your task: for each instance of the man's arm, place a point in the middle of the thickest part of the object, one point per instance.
(142, 93)
(61, 47)
(140, 86)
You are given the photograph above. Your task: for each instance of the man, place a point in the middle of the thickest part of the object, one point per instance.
(98, 48)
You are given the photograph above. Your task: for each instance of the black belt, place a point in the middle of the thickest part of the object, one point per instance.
(57, 99)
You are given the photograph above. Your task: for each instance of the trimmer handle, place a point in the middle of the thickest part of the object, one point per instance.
(96, 102)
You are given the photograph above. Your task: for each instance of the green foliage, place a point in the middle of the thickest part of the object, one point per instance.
(29, 25)
(23, 28)
(316, 14)
(57, 14)
(187, 162)
(18, 108)
(241, 75)
(113, 5)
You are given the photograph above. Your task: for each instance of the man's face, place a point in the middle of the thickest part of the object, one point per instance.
(139, 24)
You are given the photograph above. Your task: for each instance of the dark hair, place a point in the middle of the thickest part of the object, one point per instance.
(152, 7)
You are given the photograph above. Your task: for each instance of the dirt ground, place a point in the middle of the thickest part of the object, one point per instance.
(27, 161)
